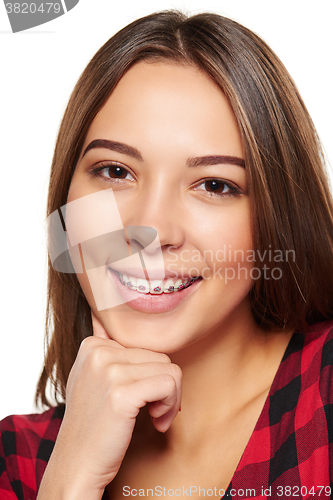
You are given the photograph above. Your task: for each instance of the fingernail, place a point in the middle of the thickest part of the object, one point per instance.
(180, 408)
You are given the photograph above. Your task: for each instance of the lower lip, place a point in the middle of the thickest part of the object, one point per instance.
(152, 303)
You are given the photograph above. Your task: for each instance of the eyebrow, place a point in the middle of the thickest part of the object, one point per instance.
(202, 161)
(199, 161)
(119, 147)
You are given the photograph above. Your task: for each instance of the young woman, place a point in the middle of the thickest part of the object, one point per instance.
(189, 129)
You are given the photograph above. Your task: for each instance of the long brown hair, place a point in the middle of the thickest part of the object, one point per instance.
(291, 203)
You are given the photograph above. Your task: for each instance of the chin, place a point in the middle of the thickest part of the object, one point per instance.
(155, 332)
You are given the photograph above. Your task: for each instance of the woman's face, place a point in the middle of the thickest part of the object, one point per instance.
(177, 167)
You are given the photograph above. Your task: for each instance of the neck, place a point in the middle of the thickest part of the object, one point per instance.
(223, 372)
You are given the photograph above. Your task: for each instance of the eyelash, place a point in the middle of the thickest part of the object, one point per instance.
(97, 172)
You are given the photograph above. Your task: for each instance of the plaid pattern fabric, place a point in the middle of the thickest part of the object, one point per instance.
(25, 447)
(26, 444)
(287, 456)
(290, 451)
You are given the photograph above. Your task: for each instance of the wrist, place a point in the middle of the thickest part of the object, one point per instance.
(61, 483)
(53, 488)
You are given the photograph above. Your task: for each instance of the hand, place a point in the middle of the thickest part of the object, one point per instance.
(106, 388)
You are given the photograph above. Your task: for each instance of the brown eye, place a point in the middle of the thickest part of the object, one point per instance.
(116, 172)
(216, 186)
(109, 172)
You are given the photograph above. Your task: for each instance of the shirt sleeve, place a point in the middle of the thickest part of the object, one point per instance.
(26, 444)
(10, 487)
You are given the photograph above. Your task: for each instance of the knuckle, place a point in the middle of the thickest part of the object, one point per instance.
(95, 357)
(115, 371)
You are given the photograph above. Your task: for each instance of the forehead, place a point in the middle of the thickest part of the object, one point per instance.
(168, 99)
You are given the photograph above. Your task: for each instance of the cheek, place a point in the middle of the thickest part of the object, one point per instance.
(228, 238)
(240, 241)
(79, 186)
(95, 237)
(228, 252)
(93, 221)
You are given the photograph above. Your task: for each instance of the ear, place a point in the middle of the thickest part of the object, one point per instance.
(98, 328)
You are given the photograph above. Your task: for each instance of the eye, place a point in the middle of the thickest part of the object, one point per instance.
(111, 172)
(218, 187)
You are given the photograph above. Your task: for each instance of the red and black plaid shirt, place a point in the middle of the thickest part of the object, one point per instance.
(288, 455)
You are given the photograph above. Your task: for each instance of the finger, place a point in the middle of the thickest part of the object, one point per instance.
(127, 373)
(113, 352)
(134, 356)
(157, 408)
(162, 388)
(162, 424)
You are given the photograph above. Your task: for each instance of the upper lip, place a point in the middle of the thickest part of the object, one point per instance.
(153, 274)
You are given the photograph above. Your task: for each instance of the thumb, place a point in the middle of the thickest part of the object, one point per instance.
(98, 328)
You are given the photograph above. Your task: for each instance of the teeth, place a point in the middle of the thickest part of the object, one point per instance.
(155, 287)
(169, 287)
(131, 282)
(122, 278)
(142, 286)
(178, 284)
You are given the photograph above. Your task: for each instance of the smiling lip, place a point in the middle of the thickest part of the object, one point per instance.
(152, 303)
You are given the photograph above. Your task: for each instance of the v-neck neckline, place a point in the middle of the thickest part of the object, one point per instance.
(264, 410)
(261, 417)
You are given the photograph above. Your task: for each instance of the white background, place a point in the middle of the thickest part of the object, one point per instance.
(39, 68)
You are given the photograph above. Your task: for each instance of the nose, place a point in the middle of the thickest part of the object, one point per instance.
(154, 219)
(141, 237)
